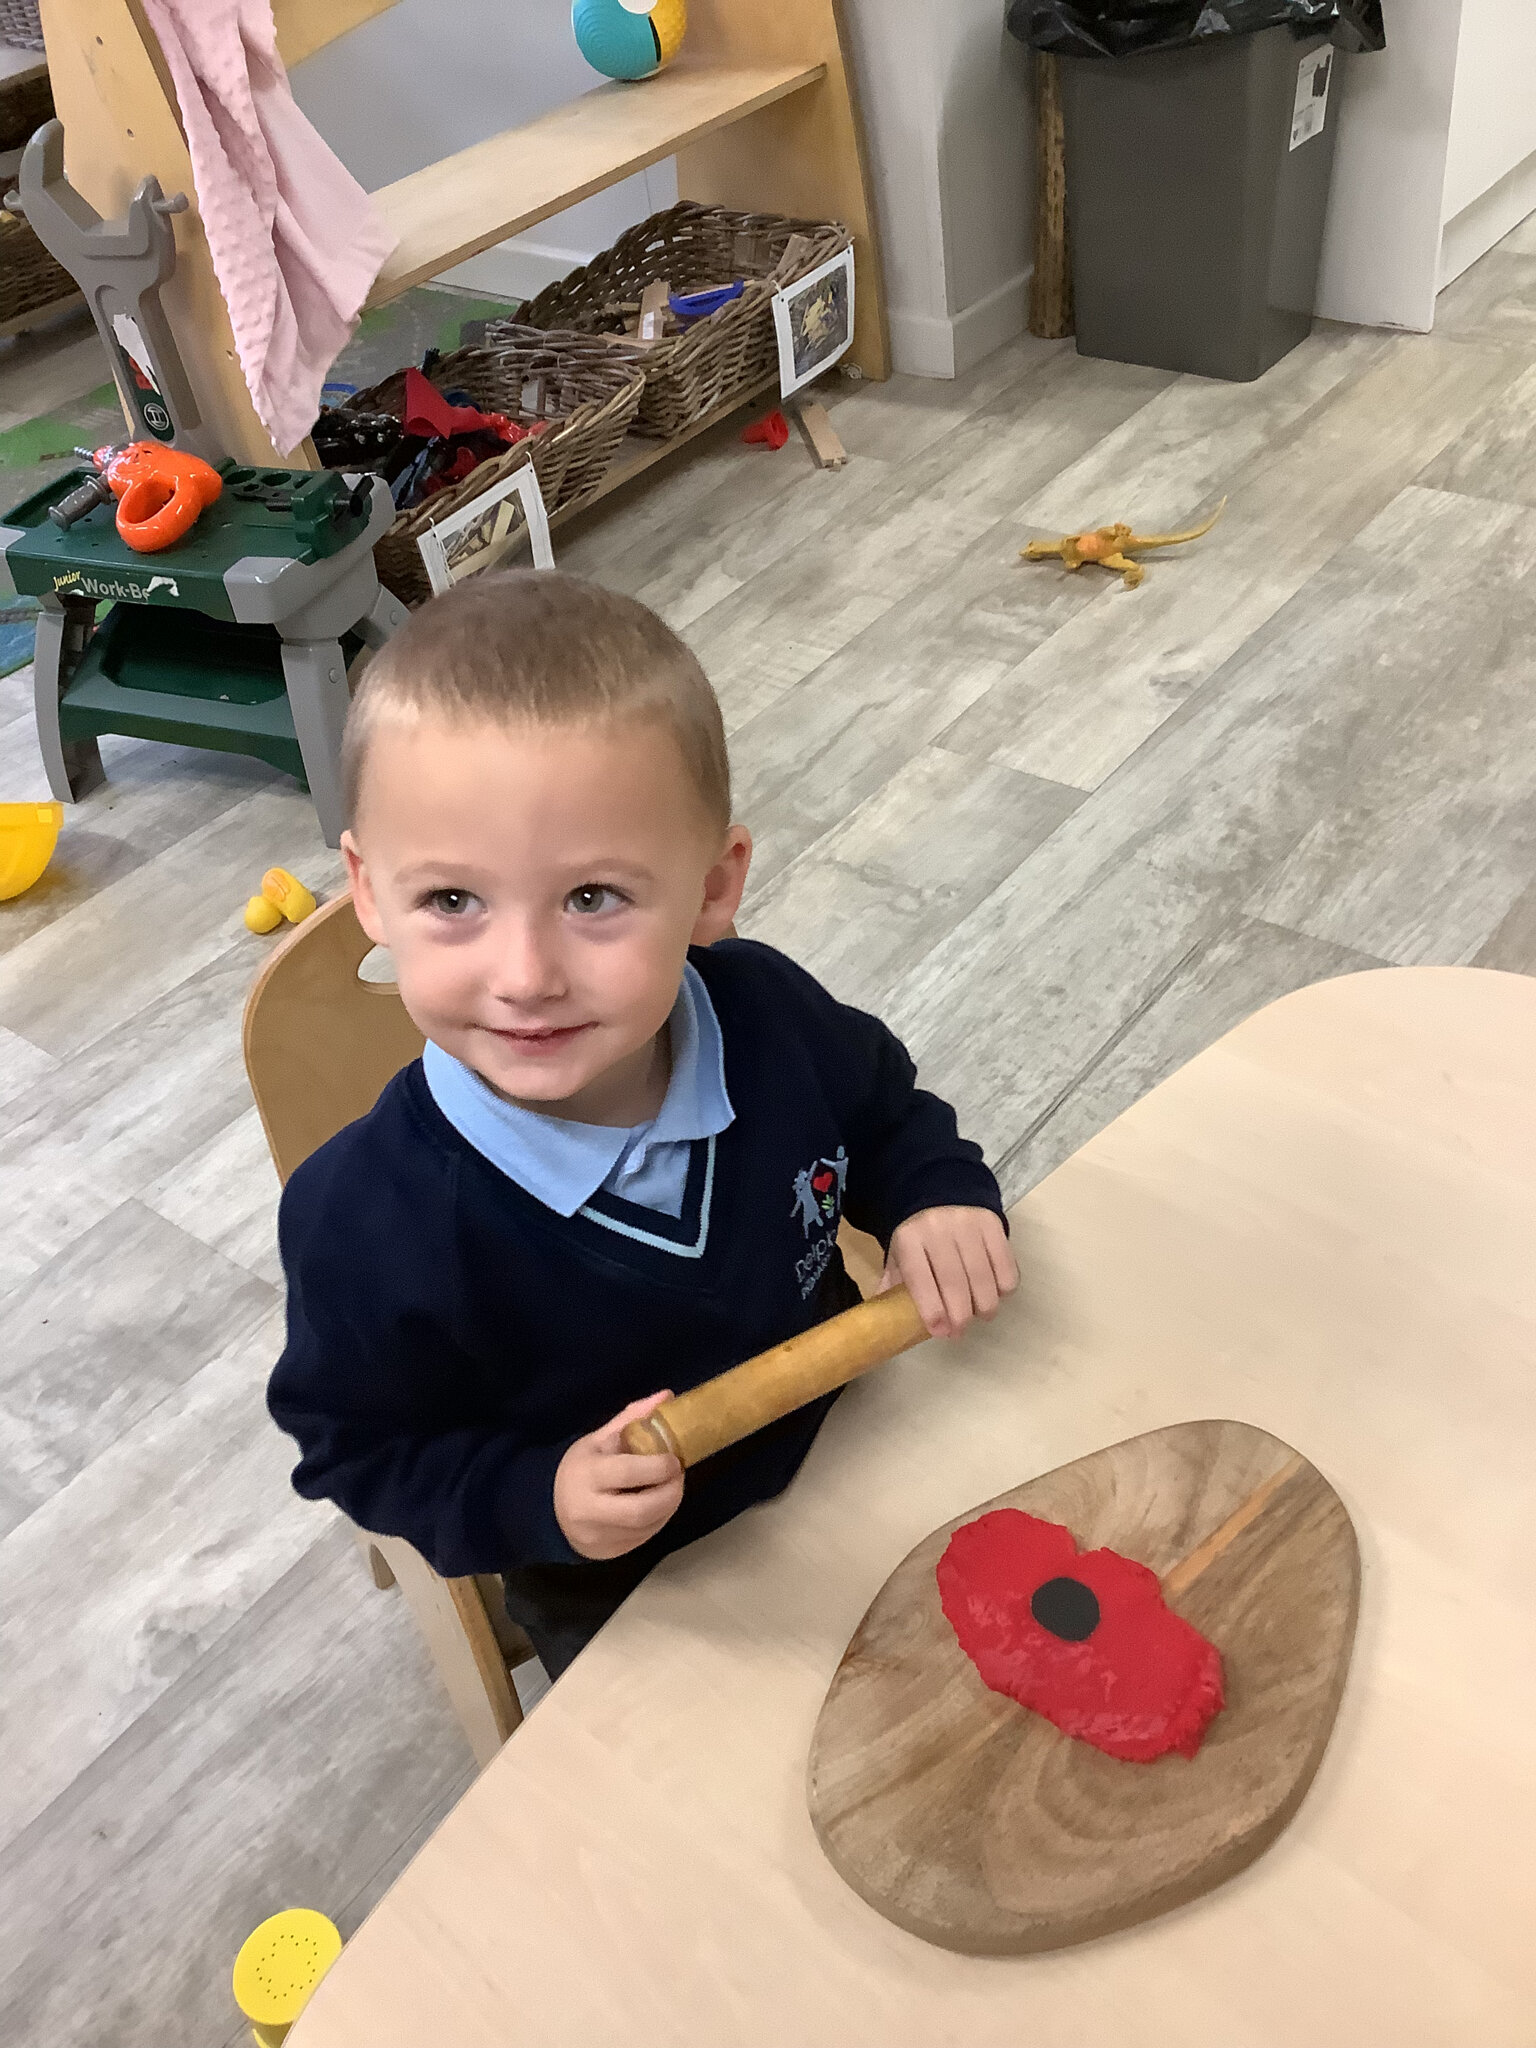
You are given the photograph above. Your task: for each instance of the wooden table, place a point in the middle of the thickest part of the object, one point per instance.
(1326, 1225)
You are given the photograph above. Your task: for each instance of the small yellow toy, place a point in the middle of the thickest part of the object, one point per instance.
(1111, 547)
(28, 835)
(278, 1968)
(282, 895)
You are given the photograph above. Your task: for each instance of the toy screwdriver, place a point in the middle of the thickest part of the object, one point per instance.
(734, 1404)
(161, 492)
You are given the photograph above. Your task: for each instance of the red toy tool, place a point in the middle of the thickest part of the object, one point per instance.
(771, 431)
(161, 493)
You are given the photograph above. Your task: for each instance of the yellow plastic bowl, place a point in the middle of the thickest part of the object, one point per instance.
(28, 835)
(280, 1965)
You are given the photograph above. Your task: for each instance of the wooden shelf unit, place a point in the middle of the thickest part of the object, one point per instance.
(758, 110)
(454, 209)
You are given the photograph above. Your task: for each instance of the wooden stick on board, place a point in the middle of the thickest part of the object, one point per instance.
(1050, 289)
(1185, 1573)
(736, 1403)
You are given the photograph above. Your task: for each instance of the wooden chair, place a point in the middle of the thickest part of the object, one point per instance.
(320, 1044)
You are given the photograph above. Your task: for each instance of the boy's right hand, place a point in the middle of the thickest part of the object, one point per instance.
(607, 1500)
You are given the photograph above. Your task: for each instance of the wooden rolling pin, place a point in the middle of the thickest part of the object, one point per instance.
(732, 1405)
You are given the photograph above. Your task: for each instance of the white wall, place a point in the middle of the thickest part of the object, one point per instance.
(947, 113)
(1436, 156)
(1490, 170)
(1493, 113)
(1381, 248)
(432, 76)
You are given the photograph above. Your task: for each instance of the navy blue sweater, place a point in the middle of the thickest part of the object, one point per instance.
(449, 1336)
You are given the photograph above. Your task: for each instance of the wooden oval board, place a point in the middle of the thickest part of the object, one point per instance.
(974, 1823)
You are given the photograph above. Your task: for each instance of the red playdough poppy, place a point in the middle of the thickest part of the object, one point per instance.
(1083, 1639)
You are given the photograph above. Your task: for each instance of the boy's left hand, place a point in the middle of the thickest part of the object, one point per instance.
(955, 1264)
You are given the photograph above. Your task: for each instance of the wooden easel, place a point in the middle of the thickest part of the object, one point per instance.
(758, 110)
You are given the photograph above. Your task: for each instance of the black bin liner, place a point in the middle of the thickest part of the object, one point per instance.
(1130, 28)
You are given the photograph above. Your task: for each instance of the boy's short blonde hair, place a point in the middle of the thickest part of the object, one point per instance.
(538, 647)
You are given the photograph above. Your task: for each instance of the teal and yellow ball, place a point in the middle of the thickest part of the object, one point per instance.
(629, 38)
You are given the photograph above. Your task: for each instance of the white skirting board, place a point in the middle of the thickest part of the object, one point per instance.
(949, 344)
(1483, 224)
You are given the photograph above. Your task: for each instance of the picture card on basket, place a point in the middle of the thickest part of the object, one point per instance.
(813, 319)
(481, 534)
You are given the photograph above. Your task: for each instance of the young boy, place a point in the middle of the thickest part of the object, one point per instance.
(620, 1165)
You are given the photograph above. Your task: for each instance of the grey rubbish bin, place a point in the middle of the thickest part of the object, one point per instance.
(1197, 188)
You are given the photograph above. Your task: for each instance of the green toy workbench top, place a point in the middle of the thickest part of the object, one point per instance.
(275, 515)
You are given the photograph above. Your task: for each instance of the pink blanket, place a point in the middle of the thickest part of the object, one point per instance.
(294, 240)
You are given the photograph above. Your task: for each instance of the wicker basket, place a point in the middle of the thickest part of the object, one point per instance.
(586, 392)
(25, 104)
(21, 24)
(693, 248)
(29, 277)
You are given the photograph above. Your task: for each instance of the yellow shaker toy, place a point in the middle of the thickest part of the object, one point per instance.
(282, 895)
(278, 1968)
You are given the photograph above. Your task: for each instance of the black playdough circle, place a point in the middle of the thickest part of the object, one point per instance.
(1067, 1608)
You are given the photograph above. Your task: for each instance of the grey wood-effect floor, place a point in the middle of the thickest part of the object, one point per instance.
(1062, 835)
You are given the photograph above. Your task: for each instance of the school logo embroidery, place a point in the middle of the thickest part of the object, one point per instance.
(818, 1202)
(819, 1192)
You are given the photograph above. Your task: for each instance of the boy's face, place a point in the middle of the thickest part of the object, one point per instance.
(538, 887)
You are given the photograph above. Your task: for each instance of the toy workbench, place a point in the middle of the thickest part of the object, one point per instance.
(237, 638)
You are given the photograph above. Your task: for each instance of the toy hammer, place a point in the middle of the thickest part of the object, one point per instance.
(736, 1403)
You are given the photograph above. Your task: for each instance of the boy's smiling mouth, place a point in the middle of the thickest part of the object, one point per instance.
(539, 1038)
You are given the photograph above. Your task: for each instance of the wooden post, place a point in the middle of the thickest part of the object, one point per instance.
(1050, 291)
(114, 95)
(803, 156)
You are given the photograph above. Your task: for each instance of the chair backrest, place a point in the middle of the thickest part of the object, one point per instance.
(320, 1044)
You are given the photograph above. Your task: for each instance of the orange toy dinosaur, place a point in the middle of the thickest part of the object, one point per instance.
(1111, 547)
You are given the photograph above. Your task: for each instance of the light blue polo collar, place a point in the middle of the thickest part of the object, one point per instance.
(564, 1164)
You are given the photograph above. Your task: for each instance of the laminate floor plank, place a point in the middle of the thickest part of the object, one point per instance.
(98, 1337)
(92, 1130)
(21, 1064)
(120, 1580)
(1075, 708)
(1345, 716)
(813, 601)
(1495, 455)
(1005, 1011)
(145, 931)
(153, 798)
(876, 893)
(1246, 966)
(1495, 300)
(1430, 832)
(1511, 946)
(292, 1762)
(692, 532)
(1170, 462)
(225, 1195)
(815, 753)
